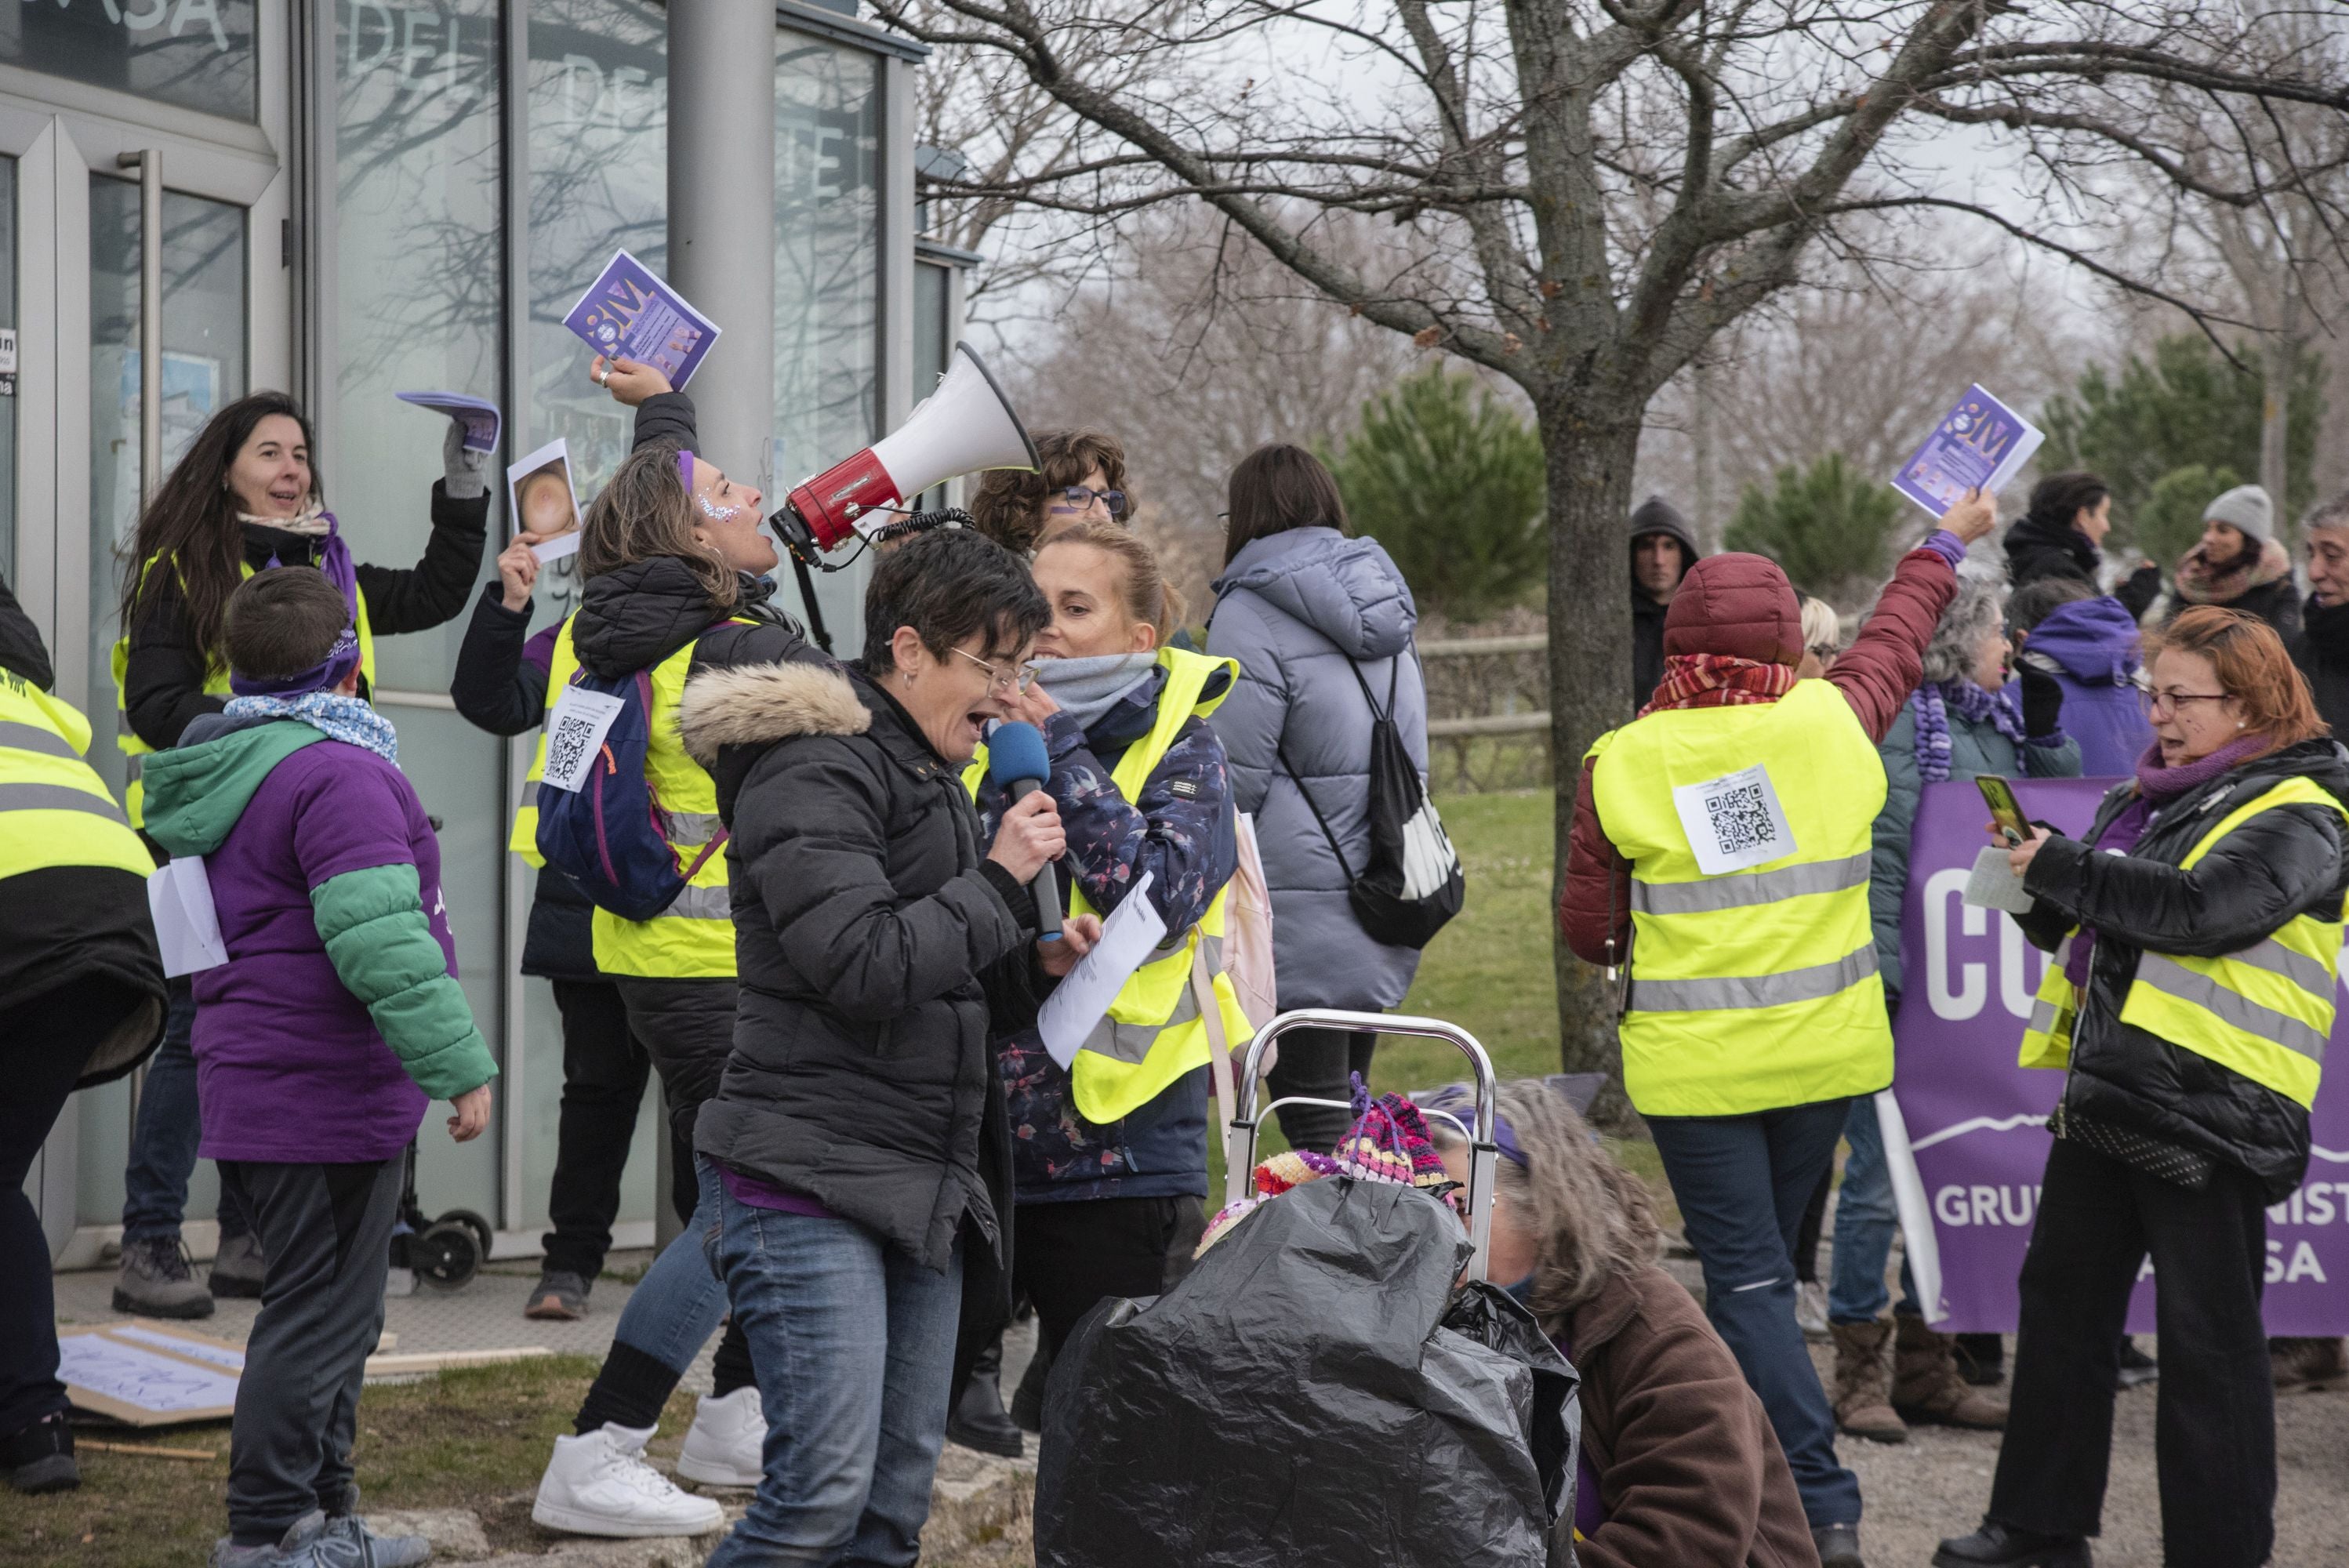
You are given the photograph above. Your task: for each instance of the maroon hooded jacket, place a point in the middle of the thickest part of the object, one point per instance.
(1742, 606)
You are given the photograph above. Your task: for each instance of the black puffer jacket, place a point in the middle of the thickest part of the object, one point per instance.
(2278, 864)
(632, 619)
(877, 951)
(2321, 649)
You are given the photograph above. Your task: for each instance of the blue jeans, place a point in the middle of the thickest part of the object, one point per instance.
(681, 1302)
(169, 1127)
(1741, 1183)
(854, 1342)
(1865, 1221)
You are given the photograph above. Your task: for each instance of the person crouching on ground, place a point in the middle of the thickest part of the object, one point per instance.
(856, 1151)
(336, 1018)
(1679, 1463)
(2196, 932)
(1729, 825)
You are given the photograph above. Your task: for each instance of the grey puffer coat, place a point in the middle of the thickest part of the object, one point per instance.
(1294, 609)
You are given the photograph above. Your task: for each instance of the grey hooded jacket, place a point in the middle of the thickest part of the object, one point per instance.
(1293, 608)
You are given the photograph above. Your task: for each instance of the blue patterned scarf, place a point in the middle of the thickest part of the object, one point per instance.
(331, 714)
(1932, 706)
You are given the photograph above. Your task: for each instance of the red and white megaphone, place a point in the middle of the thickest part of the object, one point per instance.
(965, 426)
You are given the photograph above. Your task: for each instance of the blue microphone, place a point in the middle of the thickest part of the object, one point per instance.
(1017, 762)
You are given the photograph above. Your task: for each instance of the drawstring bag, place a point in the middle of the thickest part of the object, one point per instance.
(1412, 884)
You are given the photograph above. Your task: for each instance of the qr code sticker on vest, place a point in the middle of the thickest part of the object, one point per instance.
(575, 731)
(1734, 822)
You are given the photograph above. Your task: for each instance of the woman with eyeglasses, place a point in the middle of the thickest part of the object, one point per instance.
(1080, 478)
(2197, 931)
(1679, 1463)
(856, 1153)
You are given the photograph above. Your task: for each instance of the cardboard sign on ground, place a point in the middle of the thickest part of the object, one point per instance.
(148, 1374)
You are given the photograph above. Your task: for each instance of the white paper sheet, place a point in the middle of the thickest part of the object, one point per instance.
(574, 730)
(132, 1375)
(187, 929)
(1734, 822)
(1082, 1000)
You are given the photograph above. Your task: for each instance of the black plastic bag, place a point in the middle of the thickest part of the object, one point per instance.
(1300, 1398)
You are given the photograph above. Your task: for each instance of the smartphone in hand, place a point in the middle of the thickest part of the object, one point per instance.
(2005, 810)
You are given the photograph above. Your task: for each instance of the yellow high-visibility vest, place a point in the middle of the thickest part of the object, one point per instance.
(1154, 1031)
(1756, 988)
(127, 740)
(693, 938)
(2265, 1012)
(54, 811)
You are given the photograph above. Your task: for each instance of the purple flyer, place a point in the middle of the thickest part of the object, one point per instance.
(1980, 442)
(630, 314)
(479, 416)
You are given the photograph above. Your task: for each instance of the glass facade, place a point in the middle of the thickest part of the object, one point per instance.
(598, 183)
(488, 157)
(204, 337)
(196, 54)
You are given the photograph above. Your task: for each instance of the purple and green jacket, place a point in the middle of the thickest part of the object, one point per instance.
(337, 1016)
(1182, 833)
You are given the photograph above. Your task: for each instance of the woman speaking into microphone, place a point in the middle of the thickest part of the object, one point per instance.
(856, 1152)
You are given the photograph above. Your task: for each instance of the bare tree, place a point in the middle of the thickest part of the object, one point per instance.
(1605, 186)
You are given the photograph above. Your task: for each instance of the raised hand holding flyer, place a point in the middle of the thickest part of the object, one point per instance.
(544, 501)
(629, 312)
(1979, 444)
(479, 416)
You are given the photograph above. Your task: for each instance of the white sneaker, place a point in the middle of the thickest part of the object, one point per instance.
(723, 1446)
(599, 1485)
(1811, 1308)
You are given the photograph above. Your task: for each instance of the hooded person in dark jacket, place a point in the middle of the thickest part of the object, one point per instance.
(1663, 548)
(2087, 644)
(856, 1152)
(2196, 929)
(2062, 535)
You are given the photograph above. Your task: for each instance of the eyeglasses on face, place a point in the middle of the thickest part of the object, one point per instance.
(1080, 498)
(2156, 702)
(1015, 680)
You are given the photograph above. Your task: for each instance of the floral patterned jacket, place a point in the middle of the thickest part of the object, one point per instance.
(1182, 832)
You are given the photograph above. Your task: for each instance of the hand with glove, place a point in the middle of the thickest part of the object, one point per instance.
(2043, 700)
(464, 472)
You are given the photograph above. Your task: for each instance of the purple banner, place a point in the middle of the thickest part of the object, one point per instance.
(1978, 1122)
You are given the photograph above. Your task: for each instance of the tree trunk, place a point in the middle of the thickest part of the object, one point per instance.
(2275, 427)
(1590, 460)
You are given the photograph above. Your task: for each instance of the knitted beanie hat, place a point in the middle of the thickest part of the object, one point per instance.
(2246, 509)
(1389, 1142)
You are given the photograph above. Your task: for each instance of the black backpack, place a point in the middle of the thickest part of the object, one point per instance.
(1412, 884)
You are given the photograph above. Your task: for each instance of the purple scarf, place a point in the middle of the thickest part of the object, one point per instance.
(2155, 786)
(1932, 704)
(335, 564)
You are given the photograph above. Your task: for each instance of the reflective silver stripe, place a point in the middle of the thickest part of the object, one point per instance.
(2297, 967)
(2045, 1017)
(689, 829)
(698, 903)
(1814, 984)
(2173, 979)
(56, 797)
(1129, 1043)
(33, 738)
(527, 799)
(1743, 891)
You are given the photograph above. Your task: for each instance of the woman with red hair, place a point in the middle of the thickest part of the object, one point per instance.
(2197, 931)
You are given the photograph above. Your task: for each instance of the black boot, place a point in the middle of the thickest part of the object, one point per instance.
(1982, 1358)
(41, 1457)
(1028, 1400)
(978, 1420)
(1997, 1545)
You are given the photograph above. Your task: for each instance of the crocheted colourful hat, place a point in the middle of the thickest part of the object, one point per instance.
(1389, 1142)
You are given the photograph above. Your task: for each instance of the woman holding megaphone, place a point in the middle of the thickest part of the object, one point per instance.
(1110, 1156)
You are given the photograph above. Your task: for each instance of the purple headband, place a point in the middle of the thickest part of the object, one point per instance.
(325, 676)
(1460, 1101)
(685, 467)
